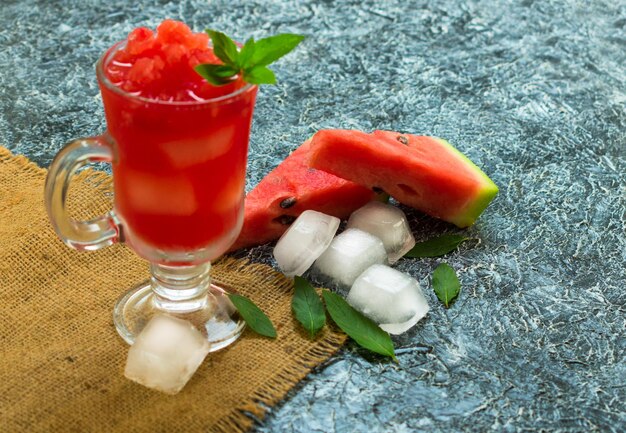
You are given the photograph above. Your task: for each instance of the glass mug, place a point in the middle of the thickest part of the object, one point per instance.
(178, 176)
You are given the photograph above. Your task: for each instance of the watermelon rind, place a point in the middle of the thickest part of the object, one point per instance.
(485, 195)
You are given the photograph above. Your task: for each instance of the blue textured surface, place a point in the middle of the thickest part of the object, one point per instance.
(533, 91)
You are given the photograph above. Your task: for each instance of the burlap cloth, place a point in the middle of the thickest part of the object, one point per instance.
(61, 365)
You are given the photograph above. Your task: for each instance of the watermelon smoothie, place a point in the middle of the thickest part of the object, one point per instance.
(179, 145)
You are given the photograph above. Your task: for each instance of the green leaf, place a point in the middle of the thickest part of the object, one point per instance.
(245, 54)
(437, 246)
(218, 75)
(254, 317)
(446, 284)
(251, 62)
(224, 47)
(307, 306)
(365, 332)
(259, 75)
(268, 50)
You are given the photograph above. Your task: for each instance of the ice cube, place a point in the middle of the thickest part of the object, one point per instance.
(389, 297)
(388, 223)
(231, 192)
(187, 152)
(166, 354)
(157, 194)
(348, 255)
(305, 240)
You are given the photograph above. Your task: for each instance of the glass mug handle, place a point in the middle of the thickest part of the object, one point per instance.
(80, 235)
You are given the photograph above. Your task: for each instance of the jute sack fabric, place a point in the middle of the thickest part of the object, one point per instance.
(61, 360)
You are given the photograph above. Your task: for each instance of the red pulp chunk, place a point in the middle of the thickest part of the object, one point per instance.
(160, 65)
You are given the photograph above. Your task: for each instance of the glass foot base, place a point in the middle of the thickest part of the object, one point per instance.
(217, 319)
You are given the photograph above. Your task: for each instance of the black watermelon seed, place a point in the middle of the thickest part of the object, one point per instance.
(378, 190)
(288, 202)
(402, 139)
(285, 219)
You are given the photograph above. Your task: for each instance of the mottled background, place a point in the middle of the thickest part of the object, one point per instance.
(533, 91)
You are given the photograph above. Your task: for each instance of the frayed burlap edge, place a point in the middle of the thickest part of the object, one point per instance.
(274, 390)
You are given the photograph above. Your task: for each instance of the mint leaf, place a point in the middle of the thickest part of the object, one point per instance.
(446, 284)
(224, 47)
(254, 317)
(436, 247)
(217, 75)
(268, 50)
(259, 75)
(362, 330)
(307, 306)
(246, 53)
(250, 62)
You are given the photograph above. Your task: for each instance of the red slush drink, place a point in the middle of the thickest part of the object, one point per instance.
(180, 145)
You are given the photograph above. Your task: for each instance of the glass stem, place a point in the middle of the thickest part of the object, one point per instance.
(180, 289)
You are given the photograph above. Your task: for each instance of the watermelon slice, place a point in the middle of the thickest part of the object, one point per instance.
(290, 189)
(426, 173)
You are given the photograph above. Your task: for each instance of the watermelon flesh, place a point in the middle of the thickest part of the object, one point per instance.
(426, 173)
(290, 189)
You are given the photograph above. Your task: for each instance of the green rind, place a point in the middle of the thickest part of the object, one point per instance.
(485, 194)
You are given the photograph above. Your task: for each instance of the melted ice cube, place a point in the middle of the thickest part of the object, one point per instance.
(348, 255)
(389, 297)
(157, 194)
(166, 354)
(188, 152)
(305, 240)
(388, 223)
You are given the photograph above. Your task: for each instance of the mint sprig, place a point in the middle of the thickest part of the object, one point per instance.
(250, 62)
